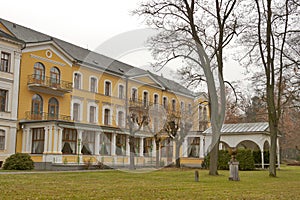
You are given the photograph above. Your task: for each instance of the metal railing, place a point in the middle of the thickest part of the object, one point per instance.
(49, 82)
(29, 115)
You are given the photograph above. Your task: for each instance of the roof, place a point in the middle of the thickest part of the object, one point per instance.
(90, 58)
(242, 128)
(5, 35)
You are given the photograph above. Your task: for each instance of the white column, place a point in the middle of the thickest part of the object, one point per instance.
(97, 142)
(12, 145)
(55, 140)
(29, 141)
(24, 139)
(15, 89)
(50, 139)
(141, 146)
(201, 153)
(203, 147)
(113, 144)
(262, 159)
(60, 132)
(278, 153)
(127, 145)
(153, 148)
(185, 147)
(79, 142)
(46, 140)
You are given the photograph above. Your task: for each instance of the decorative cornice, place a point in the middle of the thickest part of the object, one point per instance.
(47, 60)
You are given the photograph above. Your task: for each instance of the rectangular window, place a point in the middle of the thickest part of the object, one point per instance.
(88, 143)
(121, 145)
(92, 114)
(76, 112)
(107, 88)
(106, 117)
(3, 100)
(182, 106)
(93, 85)
(121, 119)
(190, 108)
(121, 91)
(5, 64)
(38, 139)
(105, 144)
(69, 141)
(136, 144)
(2, 139)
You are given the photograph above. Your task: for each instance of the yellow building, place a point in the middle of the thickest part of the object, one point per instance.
(74, 104)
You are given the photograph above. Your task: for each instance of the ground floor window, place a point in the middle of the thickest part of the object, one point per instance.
(147, 146)
(69, 141)
(136, 144)
(38, 140)
(193, 147)
(88, 143)
(2, 139)
(105, 144)
(121, 145)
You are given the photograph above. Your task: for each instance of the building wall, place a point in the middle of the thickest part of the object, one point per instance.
(9, 81)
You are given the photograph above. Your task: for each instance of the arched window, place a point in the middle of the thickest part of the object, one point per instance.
(205, 113)
(2, 139)
(37, 107)
(173, 105)
(165, 102)
(155, 101)
(39, 72)
(54, 77)
(121, 121)
(145, 98)
(107, 116)
(53, 108)
(107, 88)
(93, 84)
(77, 80)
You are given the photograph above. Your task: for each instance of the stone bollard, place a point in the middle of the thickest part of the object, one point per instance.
(196, 176)
(234, 170)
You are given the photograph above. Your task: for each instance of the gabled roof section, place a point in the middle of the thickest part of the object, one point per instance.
(146, 77)
(92, 59)
(242, 128)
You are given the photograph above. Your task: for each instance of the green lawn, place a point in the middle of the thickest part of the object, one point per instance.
(163, 184)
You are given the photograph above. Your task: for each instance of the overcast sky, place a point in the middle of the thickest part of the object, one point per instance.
(99, 25)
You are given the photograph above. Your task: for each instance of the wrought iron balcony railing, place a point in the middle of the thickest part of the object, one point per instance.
(49, 82)
(29, 115)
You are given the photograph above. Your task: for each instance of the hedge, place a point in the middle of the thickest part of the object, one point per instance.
(19, 161)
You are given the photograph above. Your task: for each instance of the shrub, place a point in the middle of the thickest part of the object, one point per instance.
(19, 161)
(244, 157)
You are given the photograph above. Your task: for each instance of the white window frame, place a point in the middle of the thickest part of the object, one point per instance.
(148, 97)
(167, 100)
(137, 93)
(110, 88)
(96, 84)
(123, 96)
(96, 112)
(154, 98)
(103, 115)
(4, 134)
(81, 80)
(80, 108)
(124, 117)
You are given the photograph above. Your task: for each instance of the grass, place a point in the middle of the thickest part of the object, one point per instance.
(162, 184)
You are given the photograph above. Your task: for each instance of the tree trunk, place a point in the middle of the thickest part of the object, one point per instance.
(213, 161)
(177, 157)
(273, 150)
(131, 145)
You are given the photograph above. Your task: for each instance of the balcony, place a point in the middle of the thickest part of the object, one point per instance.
(29, 115)
(48, 85)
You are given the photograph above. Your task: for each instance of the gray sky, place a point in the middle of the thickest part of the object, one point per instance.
(99, 25)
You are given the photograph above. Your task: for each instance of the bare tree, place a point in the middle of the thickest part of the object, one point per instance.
(272, 42)
(183, 35)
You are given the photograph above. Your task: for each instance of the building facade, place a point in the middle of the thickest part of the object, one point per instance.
(74, 105)
(10, 52)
